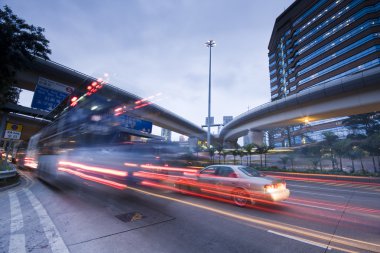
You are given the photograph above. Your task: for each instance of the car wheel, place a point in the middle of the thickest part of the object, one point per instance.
(180, 187)
(240, 197)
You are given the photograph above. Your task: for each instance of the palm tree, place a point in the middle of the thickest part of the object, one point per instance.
(249, 148)
(284, 160)
(372, 146)
(241, 154)
(235, 153)
(211, 152)
(292, 157)
(329, 139)
(262, 150)
(353, 155)
(224, 154)
(341, 147)
(219, 148)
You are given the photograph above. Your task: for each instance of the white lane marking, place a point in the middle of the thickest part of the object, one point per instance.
(321, 245)
(17, 222)
(51, 232)
(321, 188)
(294, 203)
(322, 194)
(17, 243)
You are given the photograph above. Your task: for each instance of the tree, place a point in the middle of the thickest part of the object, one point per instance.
(369, 123)
(219, 148)
(211, 152)
(341, 147)
(262, 150)
(198, 148)
(329, 139)
(372, 146)
(20, 43)
(248, 148)
(224, 154)
(354, 153)
(292, 157)
(241, 154)
(284, 160)
(314, 153)
(235, 153)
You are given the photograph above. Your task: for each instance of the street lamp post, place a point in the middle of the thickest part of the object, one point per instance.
(209, 44)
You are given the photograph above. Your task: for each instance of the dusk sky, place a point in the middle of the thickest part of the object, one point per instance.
(152, 46)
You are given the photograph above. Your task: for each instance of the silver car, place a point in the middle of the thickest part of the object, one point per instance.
(242, 184)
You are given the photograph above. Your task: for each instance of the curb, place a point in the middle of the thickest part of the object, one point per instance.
(7, 187)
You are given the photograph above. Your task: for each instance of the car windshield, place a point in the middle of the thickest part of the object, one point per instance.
(251, 172)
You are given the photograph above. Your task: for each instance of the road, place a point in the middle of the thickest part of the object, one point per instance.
(318, 217)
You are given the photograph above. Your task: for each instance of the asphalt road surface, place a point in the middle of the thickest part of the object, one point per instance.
(318, 217)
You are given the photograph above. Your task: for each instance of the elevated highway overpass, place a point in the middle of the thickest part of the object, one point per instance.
(349, 95)
(35, 119)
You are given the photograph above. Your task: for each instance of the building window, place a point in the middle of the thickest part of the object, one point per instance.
(343, 24)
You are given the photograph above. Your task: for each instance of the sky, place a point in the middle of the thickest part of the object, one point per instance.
(157, 46)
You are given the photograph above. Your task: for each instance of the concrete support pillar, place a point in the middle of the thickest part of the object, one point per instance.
(230, 144)
(256, 136)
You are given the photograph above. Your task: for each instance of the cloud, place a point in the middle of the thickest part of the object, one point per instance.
(151, 46)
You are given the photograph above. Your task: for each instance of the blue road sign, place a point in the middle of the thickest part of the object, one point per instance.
(135, 123)
(49, 94)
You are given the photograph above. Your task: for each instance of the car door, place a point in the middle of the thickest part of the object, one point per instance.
(227, 179)
(207, 177)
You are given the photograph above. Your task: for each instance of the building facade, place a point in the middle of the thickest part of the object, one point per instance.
(313, 42)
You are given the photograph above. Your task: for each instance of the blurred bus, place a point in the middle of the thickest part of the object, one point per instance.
(97, 137)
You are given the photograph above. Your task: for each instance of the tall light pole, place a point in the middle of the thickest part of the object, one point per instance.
(209, 44)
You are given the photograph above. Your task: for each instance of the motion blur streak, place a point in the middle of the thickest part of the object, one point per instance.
(326, 175)
(151, 175)
(281, 226)
(256, 207)
(333, 205)
(165, 168)
(94, 179)
(131, 164)
(95, 169)
(161, 168)
(166, 187)
(316, 180)
(30, 162)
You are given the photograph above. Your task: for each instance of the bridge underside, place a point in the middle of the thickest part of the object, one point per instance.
(356, 94)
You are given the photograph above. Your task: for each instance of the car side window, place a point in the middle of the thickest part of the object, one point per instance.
(209, 171)
(224, 171)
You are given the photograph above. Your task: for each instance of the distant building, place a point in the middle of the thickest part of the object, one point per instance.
(167, 134)
(182, 138)
(227, 119)
(246, 140)
(317, 41)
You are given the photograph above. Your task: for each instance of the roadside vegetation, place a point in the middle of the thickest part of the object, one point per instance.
(357, 154)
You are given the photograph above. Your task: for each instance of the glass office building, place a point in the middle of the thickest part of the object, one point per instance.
(315, 41)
